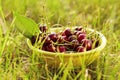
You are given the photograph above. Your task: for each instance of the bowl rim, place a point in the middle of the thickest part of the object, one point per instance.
(99, 48)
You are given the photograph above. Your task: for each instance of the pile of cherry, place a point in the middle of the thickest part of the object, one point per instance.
(65, 41)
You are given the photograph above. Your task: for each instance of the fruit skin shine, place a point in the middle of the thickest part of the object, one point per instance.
(67, 32)
(71, 38)
(80, 49)
(61, 49)
(87, 43)
(53, 37)
(33, 39)
(46, 41)
(67, 40)
(75, 44)
(51, 48)
(81, 37)
(43, 28)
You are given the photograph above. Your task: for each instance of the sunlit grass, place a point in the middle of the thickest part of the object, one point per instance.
(17, 60)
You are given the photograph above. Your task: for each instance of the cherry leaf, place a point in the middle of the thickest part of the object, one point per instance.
(26, 26)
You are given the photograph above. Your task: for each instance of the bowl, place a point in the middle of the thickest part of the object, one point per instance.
(76, 58)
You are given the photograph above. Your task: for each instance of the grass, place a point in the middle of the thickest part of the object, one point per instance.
(17, 61)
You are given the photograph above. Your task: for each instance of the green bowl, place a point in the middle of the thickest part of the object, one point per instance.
(76, 58)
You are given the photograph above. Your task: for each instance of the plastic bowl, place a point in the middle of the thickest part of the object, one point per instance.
(76, 58)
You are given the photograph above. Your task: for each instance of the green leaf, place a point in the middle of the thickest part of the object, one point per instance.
(26, 25)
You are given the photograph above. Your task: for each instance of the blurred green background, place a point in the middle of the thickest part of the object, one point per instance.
(102, 15)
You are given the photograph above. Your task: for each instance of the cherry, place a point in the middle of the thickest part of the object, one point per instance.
(63, 33)
(33, 39)
(60, 40)
(61, 48)
(67, 32)
(64, 38)
(87, 43)
(78, 33)
(50, 48)
(44, 48)
(53, 37)
(75, 43)
(81, 37)
(43, 28)
(95, 42)
(80, 49)
(72, 37)
(46, 41)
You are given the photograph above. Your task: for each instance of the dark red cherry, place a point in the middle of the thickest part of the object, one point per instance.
(80, 49)
(87, 43)
(64, 38)
(51, 48)
(44, 48)
(95, 42)
(46, 41)
(33, 39)
(68, 32)
(81, 37)
(63, 33)
(72, 37)
(43, 28)
(61, 48)
(59, 39)
(78, 33)
(74, 44)
(53, 37)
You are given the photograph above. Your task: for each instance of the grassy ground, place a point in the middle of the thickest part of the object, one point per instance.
(16, 59)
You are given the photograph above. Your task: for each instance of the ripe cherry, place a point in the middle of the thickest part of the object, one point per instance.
(78, 33)
(33, 39)
(75, 43)
(64, 38)
(53, 37)
(61, 48)
(51, 48)
(80, 49)
(87, 43)
(81, 37)
(43, 28)
(67, 32)
(72, 37)
(95, 42)
(46, 41)
(44, 48)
